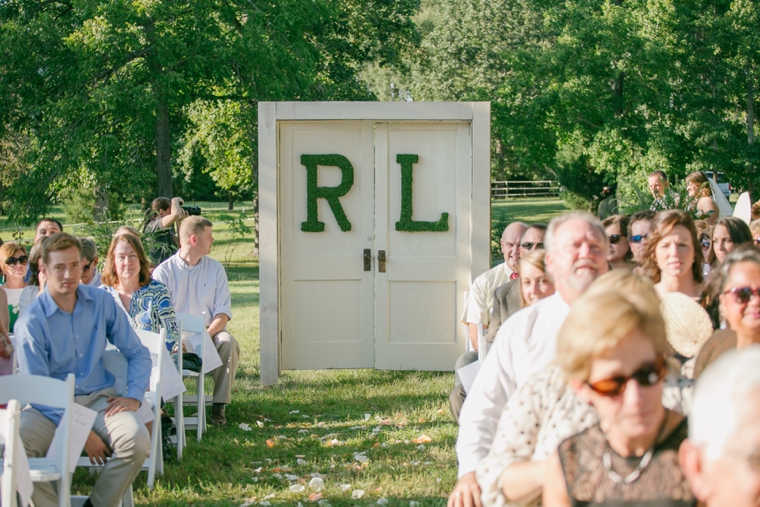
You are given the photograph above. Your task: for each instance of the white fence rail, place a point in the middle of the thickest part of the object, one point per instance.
(513, 189)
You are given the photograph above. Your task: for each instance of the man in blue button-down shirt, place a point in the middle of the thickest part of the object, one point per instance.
(65, 330)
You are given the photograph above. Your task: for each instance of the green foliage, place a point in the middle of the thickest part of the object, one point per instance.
(80, 205)
(498, 224)
(121, 90)
(406, 223)
(102, 232)
(239, 230)
(331, 194)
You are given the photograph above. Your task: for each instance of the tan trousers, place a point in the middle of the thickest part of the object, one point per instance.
(229, 351)
(124, 434)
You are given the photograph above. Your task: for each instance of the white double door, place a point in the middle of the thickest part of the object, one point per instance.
(374, 296)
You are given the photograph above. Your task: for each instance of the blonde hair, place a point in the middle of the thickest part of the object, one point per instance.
(700, 180)
(754, 228)
(193, 225)
(537, 259)
(615, 306)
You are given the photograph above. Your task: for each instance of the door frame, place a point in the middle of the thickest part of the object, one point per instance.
(478, 114)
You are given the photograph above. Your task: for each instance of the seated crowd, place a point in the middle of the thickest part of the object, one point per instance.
(588, 393)
(62, 313)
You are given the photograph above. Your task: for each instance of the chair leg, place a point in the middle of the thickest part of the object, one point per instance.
(128, 500)
(179, 423)
(201, 397)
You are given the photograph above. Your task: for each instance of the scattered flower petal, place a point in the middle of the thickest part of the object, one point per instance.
(271, 443)
(260, 424)
(345, 487)
(297, 488)
(414, 504)
(278, 476)
(422, 439)
(300, 462)
(315, 496)
(317, 484)
(382, 501)
(357, 494)
(294, 412)
(291, 477)
(421, 447)
(244, 427)
(366, 417)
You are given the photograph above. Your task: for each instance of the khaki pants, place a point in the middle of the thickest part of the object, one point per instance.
(229, 351)
(124, 434)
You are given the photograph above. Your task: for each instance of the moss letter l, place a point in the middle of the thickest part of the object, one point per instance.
(405, 222)
(331, 194)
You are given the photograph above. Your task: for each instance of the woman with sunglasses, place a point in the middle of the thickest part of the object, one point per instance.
(14, 262)
(727, 234)
(619, 254)
(673, 257)
(126, 276)
(546, 410)
(738, 289)
(612, 348)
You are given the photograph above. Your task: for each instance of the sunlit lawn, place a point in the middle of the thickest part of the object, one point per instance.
(359, 430)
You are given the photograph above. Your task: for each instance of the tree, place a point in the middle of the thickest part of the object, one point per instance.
(106, 88)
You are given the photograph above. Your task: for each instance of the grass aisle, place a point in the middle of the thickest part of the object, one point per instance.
(388, 434)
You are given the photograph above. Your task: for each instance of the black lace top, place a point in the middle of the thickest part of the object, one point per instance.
(661, 483)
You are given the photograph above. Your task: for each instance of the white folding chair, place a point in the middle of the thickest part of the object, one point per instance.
(9, 430)
(191, 324)
(156, 344)
(55, 394)
(482, 345)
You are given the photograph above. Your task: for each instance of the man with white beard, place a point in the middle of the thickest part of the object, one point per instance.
(576, 249)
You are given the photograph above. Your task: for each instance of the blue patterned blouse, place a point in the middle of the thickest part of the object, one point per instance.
(150, 309)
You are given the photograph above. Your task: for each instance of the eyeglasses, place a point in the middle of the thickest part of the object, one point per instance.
(706, 243)
(87, 267)
(638, 238)
(530, 246)
(615, 238)
(743, 295)
(647, 375)
(12, 261)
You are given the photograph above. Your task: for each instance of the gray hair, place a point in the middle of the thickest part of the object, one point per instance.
(89, 248)
(556, 222)
(719, 393)
(742, 253)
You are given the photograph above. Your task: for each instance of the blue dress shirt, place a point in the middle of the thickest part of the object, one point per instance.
(54, 343)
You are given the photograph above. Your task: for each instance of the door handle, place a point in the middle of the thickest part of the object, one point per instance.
(367, 259)
(381, 261)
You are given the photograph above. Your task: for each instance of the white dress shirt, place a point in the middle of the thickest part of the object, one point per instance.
(480, 298)
(196, 289)
(526, 343)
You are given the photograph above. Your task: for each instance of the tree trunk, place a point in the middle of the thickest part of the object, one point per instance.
(100, 213)
(162, 134)
(750, 130)
(163, 149)
(230, 202)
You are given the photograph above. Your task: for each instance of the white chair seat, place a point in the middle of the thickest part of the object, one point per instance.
(44, 470)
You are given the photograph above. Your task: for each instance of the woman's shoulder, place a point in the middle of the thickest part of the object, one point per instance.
(722, 340)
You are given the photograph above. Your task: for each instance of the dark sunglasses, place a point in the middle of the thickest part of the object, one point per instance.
(615, 238)
(706, 244)
(638, 238)
(529, 246)
(648, 375)
(743, 295)
(87, 267)
(12, 261)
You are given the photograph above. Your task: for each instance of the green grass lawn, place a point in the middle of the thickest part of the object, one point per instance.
(356, 429)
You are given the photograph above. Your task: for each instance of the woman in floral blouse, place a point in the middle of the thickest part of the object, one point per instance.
(127, 277)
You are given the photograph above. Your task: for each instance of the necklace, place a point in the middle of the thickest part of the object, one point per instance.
(645, 460)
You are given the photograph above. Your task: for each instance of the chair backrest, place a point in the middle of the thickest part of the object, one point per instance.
(156, 344)
(191, 323)
(50, 392)
(9, 424)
